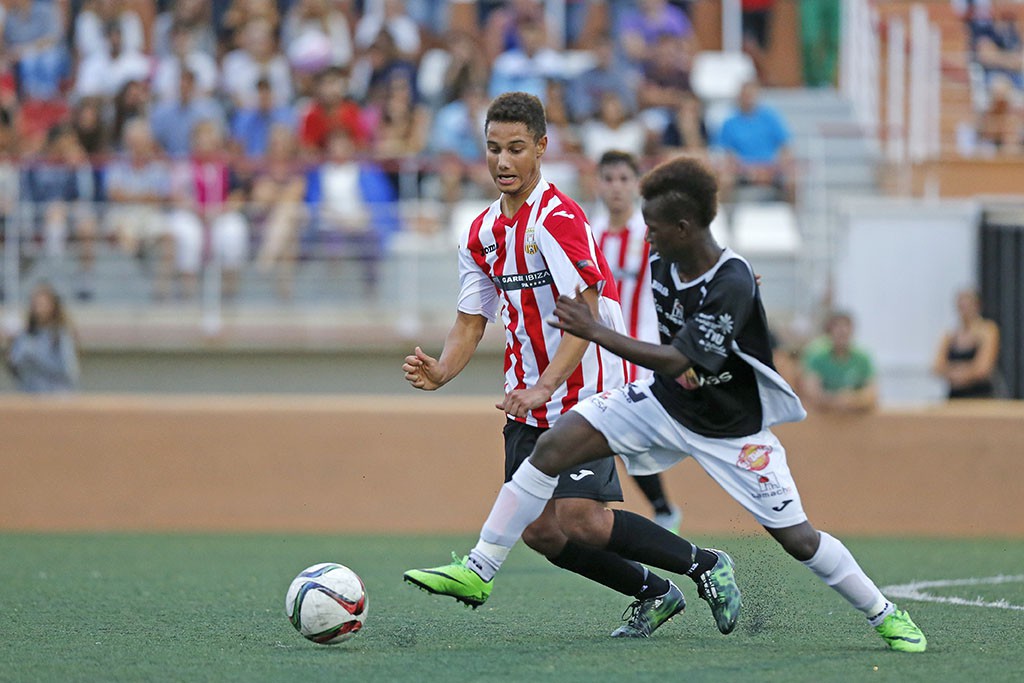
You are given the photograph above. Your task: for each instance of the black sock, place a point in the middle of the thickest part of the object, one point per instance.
(650, 484)
(608, 569)
(638, 538)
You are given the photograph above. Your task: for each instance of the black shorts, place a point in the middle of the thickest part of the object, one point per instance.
(595, 480)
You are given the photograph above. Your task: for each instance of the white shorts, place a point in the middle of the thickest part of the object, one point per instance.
(752, 469)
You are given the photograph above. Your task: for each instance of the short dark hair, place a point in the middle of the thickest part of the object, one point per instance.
(518, 107)
(617, 156)
(836, 317)
(682, 186)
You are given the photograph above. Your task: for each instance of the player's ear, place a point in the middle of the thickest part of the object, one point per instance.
(542, 145)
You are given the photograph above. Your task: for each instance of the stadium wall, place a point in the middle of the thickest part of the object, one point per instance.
(430, 463)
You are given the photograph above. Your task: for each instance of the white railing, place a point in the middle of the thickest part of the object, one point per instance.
(859, 62)
(923, 134)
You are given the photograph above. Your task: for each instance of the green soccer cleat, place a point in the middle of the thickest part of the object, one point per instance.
(718, 588)
(900, 633)
(645, 616)
(455, 579)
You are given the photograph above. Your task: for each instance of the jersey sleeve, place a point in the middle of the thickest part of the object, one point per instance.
(477, 294)
(568, 246)
(707, 337)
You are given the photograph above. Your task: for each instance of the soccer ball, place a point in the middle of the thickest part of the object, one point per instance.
(326, 603)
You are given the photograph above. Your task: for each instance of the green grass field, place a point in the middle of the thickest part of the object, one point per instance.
(210, 608)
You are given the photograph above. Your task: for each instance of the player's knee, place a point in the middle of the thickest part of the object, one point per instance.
(550, 455)
(800, 541)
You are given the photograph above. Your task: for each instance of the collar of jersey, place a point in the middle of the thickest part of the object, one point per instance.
(726, 254)
(531, 202)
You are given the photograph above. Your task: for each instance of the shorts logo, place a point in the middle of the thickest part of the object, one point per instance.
(754, 457)
(768, 487)
(582, 474)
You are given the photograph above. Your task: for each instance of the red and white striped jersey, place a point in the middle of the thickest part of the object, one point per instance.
(628, 254)
(520, 266)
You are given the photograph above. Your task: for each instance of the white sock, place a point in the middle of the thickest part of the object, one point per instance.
(519, 503)
(835, 565)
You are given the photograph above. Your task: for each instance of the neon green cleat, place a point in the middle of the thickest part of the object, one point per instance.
(455, 579)
(718, 588)
(900, 633)
(645, 616)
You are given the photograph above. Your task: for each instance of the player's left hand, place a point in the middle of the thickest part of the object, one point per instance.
(573, 315)
(520, 402)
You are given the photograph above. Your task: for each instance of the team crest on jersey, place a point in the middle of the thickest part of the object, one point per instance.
(530, 243)
(754, 457)
(678, 313)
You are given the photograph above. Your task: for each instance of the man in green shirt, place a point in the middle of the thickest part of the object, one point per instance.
(838, 376)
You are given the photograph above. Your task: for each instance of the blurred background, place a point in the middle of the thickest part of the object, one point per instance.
(233, 196)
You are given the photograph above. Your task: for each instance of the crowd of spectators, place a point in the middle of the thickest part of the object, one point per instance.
(232, 131)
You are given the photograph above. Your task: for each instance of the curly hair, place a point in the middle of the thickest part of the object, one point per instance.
(519, 107)
(682, 186)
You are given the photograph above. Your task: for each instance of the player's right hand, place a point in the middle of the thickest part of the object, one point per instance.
(422, 371)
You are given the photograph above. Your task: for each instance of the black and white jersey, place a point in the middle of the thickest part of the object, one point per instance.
(718, 322)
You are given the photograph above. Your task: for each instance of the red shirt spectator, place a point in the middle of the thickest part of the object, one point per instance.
(331, 112)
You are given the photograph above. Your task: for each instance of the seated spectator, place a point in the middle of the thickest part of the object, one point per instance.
(996, 45)
(59, 190)
(87, 120)
(130, 102)
(380, 63)
(666, 74)
(640, 28)
(138, 186)
(10, 159)
(457, 144)
(402, 123)
(32, 39)
(389, 16)
(527, 67)
(103, 73)
(756, 144)
(239, 14)
(257, 58)
(614, 128)
(44, 357)
(172, 121)
(208, 214)
(501, 27)
(316, 35)
(331, 110)
(184, 56)
(358, 208)
(93, 23)
(194, 16)
(838, 376)
(584, 92)
(967, 357)
(1001, 125)
(465, 69)
(278, 193)
(685, 132)
(563, 141)
(250, 127)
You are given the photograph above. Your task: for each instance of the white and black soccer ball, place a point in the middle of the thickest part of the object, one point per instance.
(326, 603)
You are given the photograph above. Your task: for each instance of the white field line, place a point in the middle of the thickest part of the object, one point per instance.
(915, 591)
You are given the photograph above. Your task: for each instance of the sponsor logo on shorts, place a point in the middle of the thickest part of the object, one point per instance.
(754, 457)
(582, 474)
(782, 506)
(768, 487)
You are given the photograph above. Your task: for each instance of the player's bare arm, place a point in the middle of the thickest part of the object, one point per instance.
(428, 373)
(574, 317)
(568, 356)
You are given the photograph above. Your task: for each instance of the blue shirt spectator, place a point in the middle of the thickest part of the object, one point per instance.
(458, 126)
(755, 133)
(172, 122)
(640, 29)
(584, 93)
(251, 126)
(32, 38)
(527, 68)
